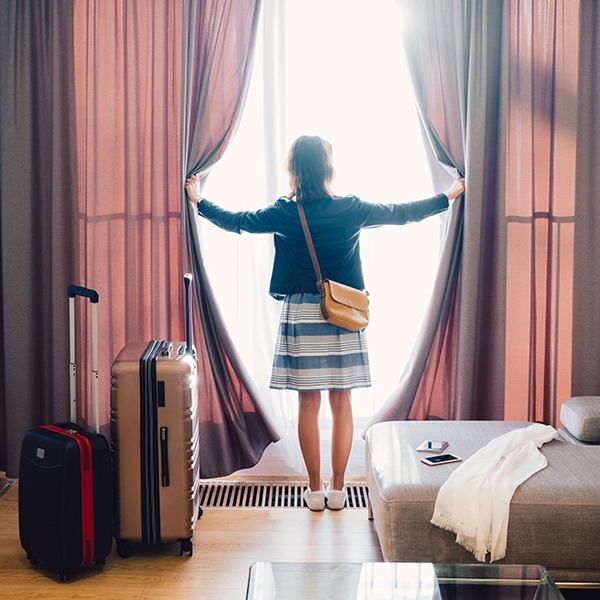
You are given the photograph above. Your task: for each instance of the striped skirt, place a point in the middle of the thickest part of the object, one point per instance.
(312, 355)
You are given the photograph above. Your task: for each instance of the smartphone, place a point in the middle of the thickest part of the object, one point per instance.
(441, 459)
(436, 446)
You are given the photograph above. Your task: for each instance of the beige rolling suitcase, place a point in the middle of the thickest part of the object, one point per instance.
(154, 433)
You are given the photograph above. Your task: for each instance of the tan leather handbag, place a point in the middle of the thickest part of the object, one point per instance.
(341, 304)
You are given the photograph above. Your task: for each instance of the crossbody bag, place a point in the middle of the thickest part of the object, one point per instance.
(340, 304)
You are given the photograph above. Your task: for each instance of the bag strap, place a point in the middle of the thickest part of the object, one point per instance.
(311, 246)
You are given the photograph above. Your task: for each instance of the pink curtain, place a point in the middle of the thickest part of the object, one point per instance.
(541, 116)
(105, 108)
(127, 79)
(159, 85)
(498, 86)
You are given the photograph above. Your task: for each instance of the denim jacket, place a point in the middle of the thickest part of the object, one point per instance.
(335, 225)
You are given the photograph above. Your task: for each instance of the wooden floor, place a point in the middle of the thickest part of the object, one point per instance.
(226, 543)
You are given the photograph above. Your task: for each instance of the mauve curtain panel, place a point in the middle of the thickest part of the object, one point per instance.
(218, 50)
(38, 233)
(439, 40)
(513, 327)
(586, 250)
(91, 97)
(127, 58)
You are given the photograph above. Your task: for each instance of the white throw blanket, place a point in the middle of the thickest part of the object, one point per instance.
(474, 502)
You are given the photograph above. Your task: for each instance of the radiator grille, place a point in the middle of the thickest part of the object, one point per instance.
(261, 494)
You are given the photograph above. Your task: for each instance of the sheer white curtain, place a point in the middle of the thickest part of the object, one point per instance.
(334, 68)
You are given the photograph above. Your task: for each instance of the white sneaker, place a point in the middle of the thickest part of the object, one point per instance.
(314, 500)
(336, 499)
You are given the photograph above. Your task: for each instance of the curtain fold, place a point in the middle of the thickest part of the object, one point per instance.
(497, 87)
(449, 46)
(219, 39)
(586, 278)
(38, 245)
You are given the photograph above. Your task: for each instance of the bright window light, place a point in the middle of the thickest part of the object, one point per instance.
(333, 68)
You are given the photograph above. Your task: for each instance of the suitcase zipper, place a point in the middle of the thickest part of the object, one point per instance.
(87, 489)
(149, 444)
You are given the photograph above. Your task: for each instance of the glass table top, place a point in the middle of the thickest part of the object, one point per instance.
(399, 581)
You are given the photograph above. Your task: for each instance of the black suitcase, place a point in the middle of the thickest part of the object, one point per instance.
(65, 480)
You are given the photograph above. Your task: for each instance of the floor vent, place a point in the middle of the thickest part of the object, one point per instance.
(5, 485)
(261, 494)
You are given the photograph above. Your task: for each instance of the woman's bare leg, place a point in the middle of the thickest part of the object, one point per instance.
(309, 437)
(341, 435)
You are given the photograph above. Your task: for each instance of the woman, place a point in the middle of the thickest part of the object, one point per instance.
(311, 355)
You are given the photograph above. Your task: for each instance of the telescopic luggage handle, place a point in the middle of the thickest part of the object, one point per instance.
(74, 291)
(189, 343)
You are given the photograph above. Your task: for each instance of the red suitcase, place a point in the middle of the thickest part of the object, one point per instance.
(65, 480)
(154, 432)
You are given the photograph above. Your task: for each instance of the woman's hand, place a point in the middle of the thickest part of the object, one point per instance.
(456, 189)
(192, 187)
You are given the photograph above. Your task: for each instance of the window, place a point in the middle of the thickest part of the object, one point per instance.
(334, 68)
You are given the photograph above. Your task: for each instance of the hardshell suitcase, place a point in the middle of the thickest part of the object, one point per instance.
(154, 433)
(65, 479)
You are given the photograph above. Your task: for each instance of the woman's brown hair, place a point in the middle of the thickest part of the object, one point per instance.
(310, 167)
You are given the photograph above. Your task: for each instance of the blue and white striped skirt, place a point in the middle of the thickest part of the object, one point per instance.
(311, 354)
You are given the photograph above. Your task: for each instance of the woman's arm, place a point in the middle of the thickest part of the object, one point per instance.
(375, 215)
(260, 221)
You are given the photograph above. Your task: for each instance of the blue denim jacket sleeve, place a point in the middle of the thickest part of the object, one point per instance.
(270, 218)
(264, 220)
(375, 215)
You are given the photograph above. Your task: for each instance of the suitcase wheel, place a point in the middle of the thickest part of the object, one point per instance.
(185, 547)
(32, 559)
(63, 577)
(124, 549)
(99, 565)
